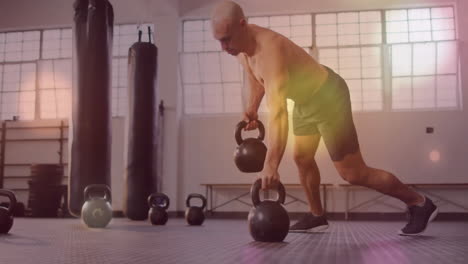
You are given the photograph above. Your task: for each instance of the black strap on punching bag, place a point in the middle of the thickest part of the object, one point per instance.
(91, 104)
(141, 171)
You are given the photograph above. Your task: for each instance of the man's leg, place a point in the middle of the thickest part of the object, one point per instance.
(340, 137)
(421, 209)
(342, 143)
(309, 174)
(304, 152)
(353, 169)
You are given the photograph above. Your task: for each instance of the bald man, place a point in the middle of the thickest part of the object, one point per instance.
(279, 69)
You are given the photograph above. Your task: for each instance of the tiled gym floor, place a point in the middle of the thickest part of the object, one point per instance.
(62, 241)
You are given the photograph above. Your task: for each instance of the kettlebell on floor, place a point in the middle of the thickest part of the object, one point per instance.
(268, 220)
(6, 213)
(194, 215)
(158, 204)
(97, 210)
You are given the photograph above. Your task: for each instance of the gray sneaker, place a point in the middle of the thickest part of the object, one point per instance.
(309, 223)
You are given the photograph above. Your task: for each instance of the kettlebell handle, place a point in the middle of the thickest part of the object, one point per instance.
(153, 197)
(11, 195)
(242, 124)
(98, 187)
(255, 192)
(196, 195)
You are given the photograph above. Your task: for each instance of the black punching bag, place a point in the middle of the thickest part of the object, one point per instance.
(91, 99)
(141, 171)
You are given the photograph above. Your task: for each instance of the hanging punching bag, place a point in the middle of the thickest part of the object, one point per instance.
(91, 105)
(141, 170)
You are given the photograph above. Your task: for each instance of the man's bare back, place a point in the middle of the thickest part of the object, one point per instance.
(303, 74)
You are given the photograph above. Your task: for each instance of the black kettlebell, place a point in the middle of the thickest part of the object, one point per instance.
(158, 204)
(18, 210)
(6, 214)
(194, 214)
(97, 210)
(250, 153)
(268, 220)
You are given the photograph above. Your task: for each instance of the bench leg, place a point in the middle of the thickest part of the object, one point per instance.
(324, 198)
(346, 204)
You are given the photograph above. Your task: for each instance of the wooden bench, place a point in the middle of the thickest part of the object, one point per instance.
(420, 187)
(211, 187)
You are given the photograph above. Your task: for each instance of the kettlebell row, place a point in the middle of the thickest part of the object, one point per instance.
(268, 220)
(97, 210)
(159, 202)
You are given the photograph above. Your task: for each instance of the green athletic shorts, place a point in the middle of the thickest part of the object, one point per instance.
(329, 114)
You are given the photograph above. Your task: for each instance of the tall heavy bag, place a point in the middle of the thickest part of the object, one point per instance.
(91, 99)
(141, 170)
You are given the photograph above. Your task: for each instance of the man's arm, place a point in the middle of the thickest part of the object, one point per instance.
(275, 82)
(256, 90)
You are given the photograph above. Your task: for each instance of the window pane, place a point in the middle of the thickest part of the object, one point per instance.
(442, 12)
(348, 28)
(190, 68)
(57, 43)
(423, 24)
(424, 92)
(447, 91)
(193, 99)
(212, 98)
(232, 97)
(424, 59)
(447, 57)
(230, 68)
(260, 21)
(401, 60)
(402, 93)
(210, 67)
(276, 21)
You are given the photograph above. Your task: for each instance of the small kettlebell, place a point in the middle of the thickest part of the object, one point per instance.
(194, 214)
(97, 210)
(158, 204)
(6, 214)
(268, 220)
(250, 153)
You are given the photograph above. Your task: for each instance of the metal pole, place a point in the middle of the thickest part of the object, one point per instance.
(2, 153)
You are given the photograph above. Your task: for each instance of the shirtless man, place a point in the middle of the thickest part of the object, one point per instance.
(279, 69)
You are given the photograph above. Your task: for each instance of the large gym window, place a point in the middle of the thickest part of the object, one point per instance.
(18, 53)
(424, 59)
(402, 59)
(17, 83)
(55, 83)
(23, 57)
